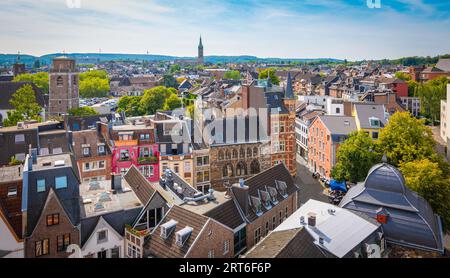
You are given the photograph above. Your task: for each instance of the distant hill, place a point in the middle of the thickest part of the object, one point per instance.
(9, 59)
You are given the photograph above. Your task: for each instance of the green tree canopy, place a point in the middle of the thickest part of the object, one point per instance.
(102, 74)
(430, 94)
(355, 158)
(39, 79)
(174, 68)
(427, 179)
(82, 111)
(402, 76)
(172, 102)
(154, 99)
(273, 78)
(130, 105)
(25, 106)
(94, 87)
(232, 74)
(170, 82)
(406, 139)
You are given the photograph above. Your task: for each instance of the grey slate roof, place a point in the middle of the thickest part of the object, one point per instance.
(339, 125)
(411, 220)
(289, 94)
(444, 64)
(367, 111)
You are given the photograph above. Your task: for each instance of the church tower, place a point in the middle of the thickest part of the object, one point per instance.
(200, 58)
(63, 89)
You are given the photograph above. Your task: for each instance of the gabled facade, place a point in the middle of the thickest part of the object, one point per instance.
(50, 205)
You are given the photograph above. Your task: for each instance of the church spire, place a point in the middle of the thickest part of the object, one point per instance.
(200, 44)
(289, 93)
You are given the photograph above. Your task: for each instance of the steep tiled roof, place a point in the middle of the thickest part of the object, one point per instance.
(139, 184)
(227, 214)
(167, 248)
(294, 243)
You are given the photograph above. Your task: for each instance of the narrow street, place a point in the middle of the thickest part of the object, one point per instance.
(310, 188)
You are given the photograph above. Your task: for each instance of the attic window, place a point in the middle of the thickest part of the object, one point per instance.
(266, 199)
(256, 205)
(167, 228)
(282, 188)
(183, 235)
(273, 194)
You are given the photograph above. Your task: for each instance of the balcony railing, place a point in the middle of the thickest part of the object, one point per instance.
(148, 160)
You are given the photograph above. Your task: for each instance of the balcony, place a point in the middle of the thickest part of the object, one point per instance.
(148, 160)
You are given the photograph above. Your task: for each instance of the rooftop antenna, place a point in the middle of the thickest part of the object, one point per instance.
(18, 56)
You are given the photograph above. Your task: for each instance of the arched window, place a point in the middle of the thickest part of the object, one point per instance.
(254, 167)
(220, 155)
(227, 171)
(59, 81)
(241, 169)
(242, 153)
(249, 152)
(255, 151)
(228, 154)
(235, 153)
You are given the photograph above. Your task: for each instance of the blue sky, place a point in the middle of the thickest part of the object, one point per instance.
(346, 29)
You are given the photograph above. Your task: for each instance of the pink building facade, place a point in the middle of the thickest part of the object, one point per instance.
(135, 147)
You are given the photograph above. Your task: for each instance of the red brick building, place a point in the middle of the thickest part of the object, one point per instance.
(325, 135)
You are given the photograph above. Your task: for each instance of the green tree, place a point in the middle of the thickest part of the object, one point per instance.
(102, 74)
(174, 68)
(412, 88)
(82, 111)
(355, 158)
(427, 179)
(403, 76)
(154, 99)
(172, 102)
(94, 87)
(37, 64)
(39, 79)
(170, 82)
(130, 105)
(430, 94)
(232, 74)
(406, 139)
(25, 106)
(273, 78)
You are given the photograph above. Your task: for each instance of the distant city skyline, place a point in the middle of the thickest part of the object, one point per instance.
(340, 29)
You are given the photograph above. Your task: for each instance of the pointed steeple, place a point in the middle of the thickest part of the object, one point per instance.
(289, 92)
(200, 44)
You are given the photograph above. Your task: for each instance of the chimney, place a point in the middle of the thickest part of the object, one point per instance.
(312, 219)
(242, 196)
(116, 182)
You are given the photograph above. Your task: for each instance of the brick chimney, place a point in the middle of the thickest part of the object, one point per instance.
(240, 192)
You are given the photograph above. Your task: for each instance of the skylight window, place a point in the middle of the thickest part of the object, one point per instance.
(374, 122)
(104, 197)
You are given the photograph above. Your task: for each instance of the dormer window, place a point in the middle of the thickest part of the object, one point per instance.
(86, 151)
(282, 188)
(266, 199)
(256, 204)
(101, 149)
(374, 122)
(273, 194)
(167, 228)
(183, 235)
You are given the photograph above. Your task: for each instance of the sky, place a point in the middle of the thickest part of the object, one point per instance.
(343, 29)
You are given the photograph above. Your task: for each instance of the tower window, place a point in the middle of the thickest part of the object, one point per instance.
(59, 81)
